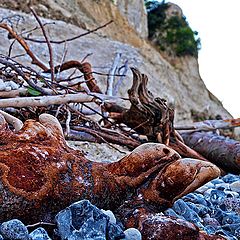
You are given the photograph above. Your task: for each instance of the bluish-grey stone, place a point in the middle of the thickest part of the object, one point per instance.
(39, 234)
(84, 221)
(132, 234)
(231, 194)
(14, 230)
(195, 198)
(181, 208)
(217, 196)
(230, 178)
(217, 181)
(222, 186)
(231, 218)
(235, 186)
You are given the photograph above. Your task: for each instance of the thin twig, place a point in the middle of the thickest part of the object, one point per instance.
(69, 39)
(48, 43)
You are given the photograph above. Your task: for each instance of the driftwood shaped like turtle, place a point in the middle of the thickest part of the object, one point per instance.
(41, 174)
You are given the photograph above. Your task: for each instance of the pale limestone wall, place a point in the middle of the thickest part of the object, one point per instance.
(177, 80)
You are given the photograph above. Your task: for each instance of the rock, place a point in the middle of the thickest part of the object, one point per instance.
(195, 198)
(135, 12)
(230, 178)
(183, 209)
(132, 234)
(12, 85)
(217, 196)
(82, 220)
(39, 234)
(231, 218)
(110, 214)
(231, 194)
(217, 181)
(235, 186)
(2, 85)
(14, 230)
(222, 186)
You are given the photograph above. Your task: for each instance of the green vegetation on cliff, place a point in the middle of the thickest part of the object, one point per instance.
(171, 33)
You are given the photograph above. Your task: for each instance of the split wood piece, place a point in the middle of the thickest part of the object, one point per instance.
(25, 46)
(41, 174)
(152, 117)
(222, 151)
(85, 68)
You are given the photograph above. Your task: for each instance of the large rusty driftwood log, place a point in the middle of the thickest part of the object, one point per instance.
(40, 174)
(222, 151)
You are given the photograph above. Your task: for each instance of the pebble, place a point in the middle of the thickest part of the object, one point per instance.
(110, 214)
(82, 220)
(222, 186)
(235, 186)
(39, 234)
(132, 234)
(231, 194)
(14, 230)
(216, 206)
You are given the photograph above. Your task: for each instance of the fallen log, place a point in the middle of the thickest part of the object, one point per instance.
(41, 174)
(222, 151)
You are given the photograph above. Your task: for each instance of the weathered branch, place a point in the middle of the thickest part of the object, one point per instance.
(45, 100)
(13, 93)
(24, 45)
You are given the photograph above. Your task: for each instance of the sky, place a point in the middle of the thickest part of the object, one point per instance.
(218, 25)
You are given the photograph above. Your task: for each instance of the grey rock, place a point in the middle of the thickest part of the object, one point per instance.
(2, 85)
(110, 214)
(14, 230)
(235, 186)
(39, 234)
(132, 234)
(231, 194)
(222, 186)
(12, 85)
(82, 220)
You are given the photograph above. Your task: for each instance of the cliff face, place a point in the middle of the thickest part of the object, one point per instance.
(177, 80)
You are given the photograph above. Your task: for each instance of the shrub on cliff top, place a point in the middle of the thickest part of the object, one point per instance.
(171, 34)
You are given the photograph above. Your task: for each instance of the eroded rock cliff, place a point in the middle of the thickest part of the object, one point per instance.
(178, 80)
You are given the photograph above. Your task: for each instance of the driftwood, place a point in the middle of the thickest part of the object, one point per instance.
(41, 174)
(151, 116)
(222, 151)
